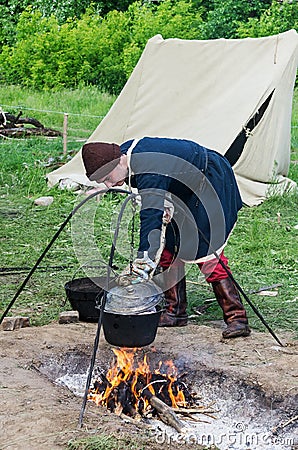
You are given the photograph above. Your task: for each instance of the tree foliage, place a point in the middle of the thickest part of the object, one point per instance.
(79, 51)
(223, 20)
(92, 49)
(170, 19)
(10, 11)
(280, 17)
(69, 43)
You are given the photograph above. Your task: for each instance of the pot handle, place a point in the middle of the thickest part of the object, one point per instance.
(103, 266)
(98, 300)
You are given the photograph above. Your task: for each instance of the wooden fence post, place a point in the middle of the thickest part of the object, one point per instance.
(65, 123)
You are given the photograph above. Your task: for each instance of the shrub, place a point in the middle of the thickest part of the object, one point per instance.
(222, 21)
(278, 18)
(91, 50)
(170, 19)
(50, 56)
(102, 51)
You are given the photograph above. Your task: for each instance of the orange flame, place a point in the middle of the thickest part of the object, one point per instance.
(127, 370)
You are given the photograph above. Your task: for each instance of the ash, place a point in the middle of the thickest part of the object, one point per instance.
(234, 428)
(76, 382)
(225, 434)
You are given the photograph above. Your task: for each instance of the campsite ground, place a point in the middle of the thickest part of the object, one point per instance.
(37, 413)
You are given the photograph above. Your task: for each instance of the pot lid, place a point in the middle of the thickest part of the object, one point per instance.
(134, 298)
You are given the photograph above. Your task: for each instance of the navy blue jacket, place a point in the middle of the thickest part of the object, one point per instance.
(203, 190)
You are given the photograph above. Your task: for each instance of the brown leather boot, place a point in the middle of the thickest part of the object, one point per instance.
(175, 299)
(234, 313)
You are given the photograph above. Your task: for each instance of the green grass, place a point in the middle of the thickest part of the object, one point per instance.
(85, 108)
(262, 248)
(26, 229)
(137, 441)
(103, 442)
(294, 128)
(263, 252)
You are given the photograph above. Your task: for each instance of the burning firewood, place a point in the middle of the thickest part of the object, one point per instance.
(166, 413)
(132, 389)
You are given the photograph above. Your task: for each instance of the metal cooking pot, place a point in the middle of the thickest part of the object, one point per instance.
(131, 314)
(83, 295)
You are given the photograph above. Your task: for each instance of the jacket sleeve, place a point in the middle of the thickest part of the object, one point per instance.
(152, 188)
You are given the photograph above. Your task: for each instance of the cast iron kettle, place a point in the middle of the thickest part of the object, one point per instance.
(131, 314)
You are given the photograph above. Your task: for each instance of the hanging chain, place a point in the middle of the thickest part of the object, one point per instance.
(132, 231)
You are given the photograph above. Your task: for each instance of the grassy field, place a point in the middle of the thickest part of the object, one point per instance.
(262, 249)
(85, 108)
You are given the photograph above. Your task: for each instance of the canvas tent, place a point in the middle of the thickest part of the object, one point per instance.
(233, 96)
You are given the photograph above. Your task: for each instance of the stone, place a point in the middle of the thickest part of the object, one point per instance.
(69, 317)
(44, 201)
(67, 183)
(15, 323)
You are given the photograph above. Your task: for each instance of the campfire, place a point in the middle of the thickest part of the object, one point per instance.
(130, 387)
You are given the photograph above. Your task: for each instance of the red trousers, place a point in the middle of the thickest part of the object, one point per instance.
(212, 269)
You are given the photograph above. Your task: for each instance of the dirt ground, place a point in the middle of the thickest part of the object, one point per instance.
(36, 413)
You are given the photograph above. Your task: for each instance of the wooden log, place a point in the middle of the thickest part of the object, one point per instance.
(165, 412)
(23, 131)
(199, 410)
(30, 121)
(14, 121)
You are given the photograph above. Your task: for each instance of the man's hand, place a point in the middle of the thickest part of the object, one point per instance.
(143, 266)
